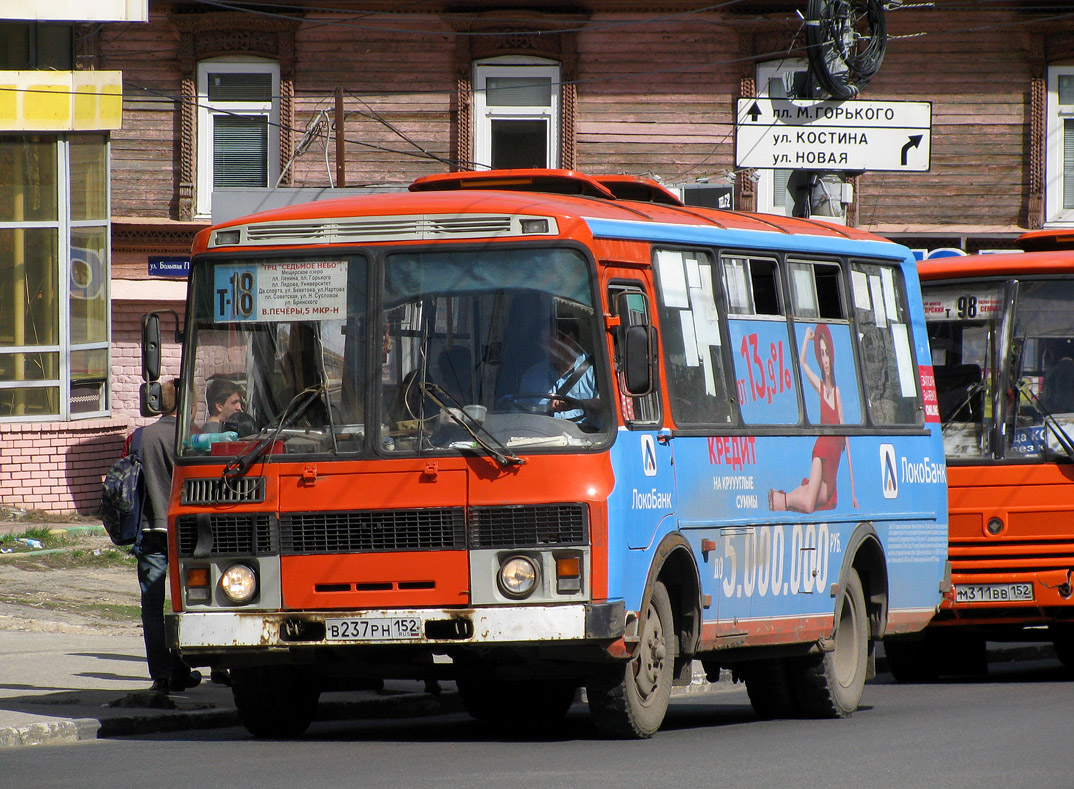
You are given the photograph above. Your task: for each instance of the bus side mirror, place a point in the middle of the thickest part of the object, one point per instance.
(151, 348)
(150, 397)
(637, 345)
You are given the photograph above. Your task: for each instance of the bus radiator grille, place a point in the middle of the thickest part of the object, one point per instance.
(435, 528)
(529, 526)
(216, 490)
(232, 535)
(1007, 556)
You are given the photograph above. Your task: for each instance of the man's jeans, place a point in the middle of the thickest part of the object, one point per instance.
(152, 554)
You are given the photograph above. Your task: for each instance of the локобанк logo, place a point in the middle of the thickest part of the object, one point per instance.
(648, 455)
(889, 471)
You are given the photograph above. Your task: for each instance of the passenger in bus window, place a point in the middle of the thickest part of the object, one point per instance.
(818, 490)
(566, 372)
(223, 398)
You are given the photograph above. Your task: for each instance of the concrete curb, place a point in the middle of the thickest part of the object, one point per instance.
(403, 705)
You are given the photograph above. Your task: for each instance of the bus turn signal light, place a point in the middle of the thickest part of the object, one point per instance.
(197, 585)
(568, 574)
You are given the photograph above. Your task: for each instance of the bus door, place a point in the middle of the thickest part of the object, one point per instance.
(642, 455)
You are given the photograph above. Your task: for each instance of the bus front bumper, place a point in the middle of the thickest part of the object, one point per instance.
(197, 631)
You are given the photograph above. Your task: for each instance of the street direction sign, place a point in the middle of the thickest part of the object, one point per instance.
(793, 134)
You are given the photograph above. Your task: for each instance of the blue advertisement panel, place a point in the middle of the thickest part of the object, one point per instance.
(764, 372)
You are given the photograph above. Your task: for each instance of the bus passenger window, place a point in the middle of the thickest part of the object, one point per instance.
(692, 339)
(816, 292)
(891, 380)
(751, 285)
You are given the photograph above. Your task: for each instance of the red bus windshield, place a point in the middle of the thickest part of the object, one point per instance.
(486, 351)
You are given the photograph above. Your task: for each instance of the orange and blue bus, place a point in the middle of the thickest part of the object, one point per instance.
(1001, 328)
(533, 431)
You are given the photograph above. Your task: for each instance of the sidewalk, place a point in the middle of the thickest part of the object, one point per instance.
(62, 687)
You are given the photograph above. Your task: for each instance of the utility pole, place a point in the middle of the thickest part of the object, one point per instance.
(341, 161)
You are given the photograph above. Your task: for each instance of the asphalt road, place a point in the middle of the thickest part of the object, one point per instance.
(1011, 729)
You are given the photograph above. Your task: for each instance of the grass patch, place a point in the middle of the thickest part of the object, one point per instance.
(69, 549)
(80, 557)
(116, 612)
(34, 538)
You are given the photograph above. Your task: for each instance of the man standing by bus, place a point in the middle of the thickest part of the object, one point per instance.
(156, 444)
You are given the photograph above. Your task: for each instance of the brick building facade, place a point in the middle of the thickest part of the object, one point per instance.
(249, 98)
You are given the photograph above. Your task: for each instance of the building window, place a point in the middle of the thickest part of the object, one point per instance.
(54, 249)
(28, 46)
(1060, 145)
(238, 126)
(516, 113)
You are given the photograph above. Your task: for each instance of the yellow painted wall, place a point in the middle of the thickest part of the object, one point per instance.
(58, 101)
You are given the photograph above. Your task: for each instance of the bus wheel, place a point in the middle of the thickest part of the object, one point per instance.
(1063, 641)
(911, 659)
(830, 685)
(275, 701)
(516, 704)
(630, 701)
(769, 686)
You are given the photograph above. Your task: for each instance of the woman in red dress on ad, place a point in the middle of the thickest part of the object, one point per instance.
(818, 490)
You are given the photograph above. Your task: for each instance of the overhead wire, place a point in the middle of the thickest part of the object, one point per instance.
(994, 5)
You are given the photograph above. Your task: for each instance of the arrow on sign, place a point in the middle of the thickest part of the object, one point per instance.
(912, 142)
(754, 112)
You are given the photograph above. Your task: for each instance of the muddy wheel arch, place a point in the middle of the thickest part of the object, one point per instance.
(673, 564)
(865, 554)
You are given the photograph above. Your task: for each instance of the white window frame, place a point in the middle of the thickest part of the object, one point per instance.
(62, 225)
(1055, 214)
(770, 181)
(767, 181)
(208, 111)
(484, 115)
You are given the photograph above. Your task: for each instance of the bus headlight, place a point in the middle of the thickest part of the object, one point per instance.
(239, 583)
(518, 577)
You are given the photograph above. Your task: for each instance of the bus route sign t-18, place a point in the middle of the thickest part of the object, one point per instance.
(792, 134)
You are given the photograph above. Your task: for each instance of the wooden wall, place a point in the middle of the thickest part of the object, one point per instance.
(655, 97)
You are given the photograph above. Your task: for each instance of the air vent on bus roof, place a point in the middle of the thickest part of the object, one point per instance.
(369, 229)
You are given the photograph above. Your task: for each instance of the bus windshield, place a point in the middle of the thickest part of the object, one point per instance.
(970, 353)
(463, 351)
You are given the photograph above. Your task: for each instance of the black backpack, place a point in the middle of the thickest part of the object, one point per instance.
(123, 495)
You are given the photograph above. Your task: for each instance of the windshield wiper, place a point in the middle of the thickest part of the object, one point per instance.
(1049, 419)
(503, 455)
(240, 465)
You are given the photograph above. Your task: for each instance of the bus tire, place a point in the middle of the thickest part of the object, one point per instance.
(275, 701)
(629, 701)
(518, 704)
(769, 686)
(830, 685)
(911, 659)
(1063, 641)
